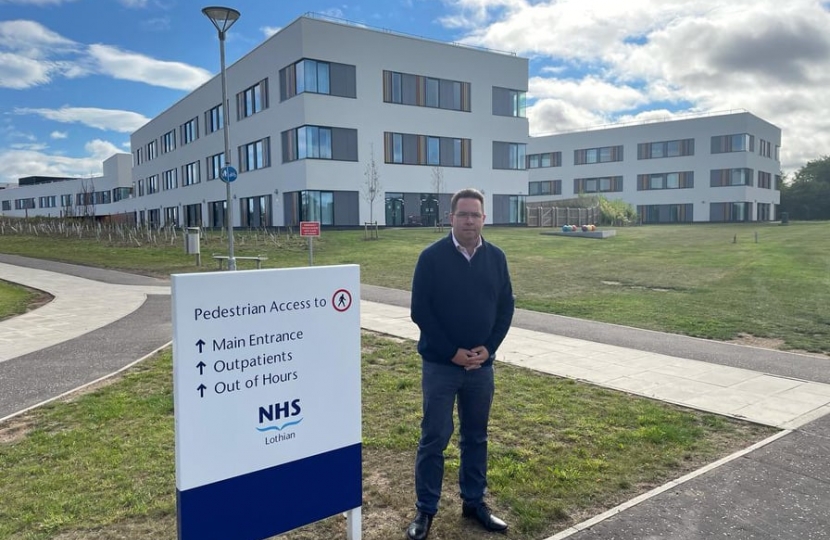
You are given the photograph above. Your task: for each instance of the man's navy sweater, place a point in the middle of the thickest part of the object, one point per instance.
(459, 303)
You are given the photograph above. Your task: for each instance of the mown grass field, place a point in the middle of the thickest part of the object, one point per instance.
(711, 281)
(100, 465)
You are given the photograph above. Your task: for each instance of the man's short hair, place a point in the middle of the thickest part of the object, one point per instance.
(467, 193)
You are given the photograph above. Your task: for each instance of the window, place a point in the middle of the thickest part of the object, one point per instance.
(764, 180)
(666, 149)
(741, 142)
(101, 197)
(82, 199)
(507, 102)
(169, 180)
(423, 91)
(152, 149)
(192, 215)
(168, 142)
(66, 200)
(138, 157)
(121, 193)
(216, 214)
(765, 148)
(730, 211)
(604, 154)
(255, 211)
(252, 100)
(189, 131)
(410, 149)
(171, 215)
(318, 77)
(255, 155)
(7, 205)
(731, 177)
(507, 155)
(317, 206)
(432, 86)
(670, 180)
(666, 213)
(778, 182)
(214, 165)
(152, 184)
(313, 142)
(190, 174)
(548, 159)
(312, 76)
(141, 187)
(598, 185)
(214, 119)
(48, 201)
(546, 187)
(433, 150)
(318, 142)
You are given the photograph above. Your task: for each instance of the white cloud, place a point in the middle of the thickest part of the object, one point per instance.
(137, 67)
(618, 59)
(36, 161)
(588, 93)
(134, 4)
(104, 119)
(32, 55)
(269, 31)
(59, 135)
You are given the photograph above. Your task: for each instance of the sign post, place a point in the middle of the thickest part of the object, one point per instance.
(266, 376)
(310, 229)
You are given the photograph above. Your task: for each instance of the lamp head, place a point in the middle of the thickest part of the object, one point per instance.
(221, 17)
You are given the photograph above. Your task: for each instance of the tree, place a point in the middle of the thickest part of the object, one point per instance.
(85, 199)
(808, 195)
(372, 186)
(438, 187)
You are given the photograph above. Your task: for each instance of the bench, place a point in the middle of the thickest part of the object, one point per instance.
(222, 259)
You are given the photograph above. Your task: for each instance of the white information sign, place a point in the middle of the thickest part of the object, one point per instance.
(267, 399)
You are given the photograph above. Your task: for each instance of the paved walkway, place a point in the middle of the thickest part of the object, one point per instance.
(129, 317)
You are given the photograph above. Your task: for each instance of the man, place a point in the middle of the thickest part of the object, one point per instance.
(462, 300)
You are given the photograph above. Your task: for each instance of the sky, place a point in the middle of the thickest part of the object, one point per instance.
(77, 77)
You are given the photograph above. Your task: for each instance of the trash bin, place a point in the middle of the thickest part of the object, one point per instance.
(191, 241)
(785, 218)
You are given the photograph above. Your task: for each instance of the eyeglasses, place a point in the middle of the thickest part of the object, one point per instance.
(465, 215)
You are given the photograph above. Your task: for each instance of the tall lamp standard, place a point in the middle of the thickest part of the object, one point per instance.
(223, 18)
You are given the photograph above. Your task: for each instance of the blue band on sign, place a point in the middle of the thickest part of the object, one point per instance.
(265, 503)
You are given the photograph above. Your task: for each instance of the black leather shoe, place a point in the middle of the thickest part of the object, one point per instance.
(484, 515)
(419, 528)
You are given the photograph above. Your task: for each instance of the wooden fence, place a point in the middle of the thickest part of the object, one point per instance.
(556, 216)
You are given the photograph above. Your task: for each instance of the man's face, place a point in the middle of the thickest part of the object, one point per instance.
(467, 220)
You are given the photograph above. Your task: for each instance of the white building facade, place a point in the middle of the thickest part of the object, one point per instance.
(718, 168)
(312, 107)
(73, 197)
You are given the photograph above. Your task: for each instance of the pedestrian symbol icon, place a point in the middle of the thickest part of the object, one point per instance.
(341, 300)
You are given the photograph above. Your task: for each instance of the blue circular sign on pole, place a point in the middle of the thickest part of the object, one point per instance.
(228, 174)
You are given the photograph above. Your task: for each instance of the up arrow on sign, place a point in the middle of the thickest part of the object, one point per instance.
(227, 174)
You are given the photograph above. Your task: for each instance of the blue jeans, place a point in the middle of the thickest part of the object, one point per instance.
(441, 384)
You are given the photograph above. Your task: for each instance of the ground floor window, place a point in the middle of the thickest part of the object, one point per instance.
(216, 214)
(317, 206)
(171, 216)
(193, 215)
(255, 211)
(666, 213)
(154, 218)
(730, 211)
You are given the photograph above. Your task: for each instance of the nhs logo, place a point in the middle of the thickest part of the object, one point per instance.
(279, 415)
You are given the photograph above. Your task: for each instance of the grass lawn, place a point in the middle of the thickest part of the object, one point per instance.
(16, 300)
(713, 281)
(100, 464)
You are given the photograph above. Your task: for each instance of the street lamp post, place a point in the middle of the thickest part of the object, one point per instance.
(223, 18)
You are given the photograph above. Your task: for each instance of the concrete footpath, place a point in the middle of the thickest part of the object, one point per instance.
(103, 321)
